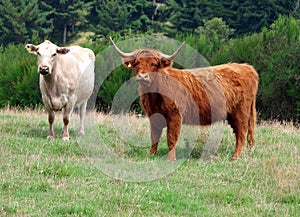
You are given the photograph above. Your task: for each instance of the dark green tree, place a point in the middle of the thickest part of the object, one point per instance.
(252, 15)
(245, 16)
(67, 14)
(116, 15)
(296, 9)
(185, 15)
(108, 16)
(21, 19)
(215, 27)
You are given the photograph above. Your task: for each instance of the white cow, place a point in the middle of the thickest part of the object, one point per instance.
(66, 80)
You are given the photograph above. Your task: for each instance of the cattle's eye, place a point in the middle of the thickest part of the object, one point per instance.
(38, 53)
(54, 54)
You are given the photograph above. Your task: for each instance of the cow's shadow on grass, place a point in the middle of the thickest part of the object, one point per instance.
(200, 150)
(182, 153)
(39, 130)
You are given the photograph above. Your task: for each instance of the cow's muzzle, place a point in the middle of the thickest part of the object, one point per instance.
(44, 70)
(142, 78)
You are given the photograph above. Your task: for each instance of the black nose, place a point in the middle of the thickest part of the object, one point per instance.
(44, 70)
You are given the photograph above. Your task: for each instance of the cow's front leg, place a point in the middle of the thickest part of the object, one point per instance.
(66, 135)
(66, 118)
(51, 117)
(173, 131)
(157, 123)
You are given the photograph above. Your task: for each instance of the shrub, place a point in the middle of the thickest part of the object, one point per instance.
(19, 80)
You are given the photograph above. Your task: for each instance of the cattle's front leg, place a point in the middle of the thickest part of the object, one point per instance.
(51, 117)
(66, 118)
(173, 131)
(66, 135)
(157, 123)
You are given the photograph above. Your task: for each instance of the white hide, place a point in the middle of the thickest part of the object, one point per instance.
(69, 83)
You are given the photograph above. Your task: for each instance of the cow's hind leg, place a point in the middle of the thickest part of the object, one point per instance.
(82, 113)
(157, 123)
(251, 125)
(240, 136)
(51, 117)
(239, 126)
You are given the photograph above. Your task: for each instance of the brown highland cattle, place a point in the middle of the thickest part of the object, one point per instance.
(171, 97)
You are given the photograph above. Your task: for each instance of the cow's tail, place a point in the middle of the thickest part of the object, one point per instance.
(251, 124)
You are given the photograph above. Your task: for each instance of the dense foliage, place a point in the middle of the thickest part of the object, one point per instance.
(222, 31)
(60, 20)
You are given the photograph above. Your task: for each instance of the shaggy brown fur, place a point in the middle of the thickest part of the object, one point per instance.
(194, 96)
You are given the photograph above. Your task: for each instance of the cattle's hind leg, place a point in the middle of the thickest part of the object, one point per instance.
(239, 125)
(240, 136)
(251, 125)
(82, 113)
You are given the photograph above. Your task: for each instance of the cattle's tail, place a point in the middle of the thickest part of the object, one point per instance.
(251, 124)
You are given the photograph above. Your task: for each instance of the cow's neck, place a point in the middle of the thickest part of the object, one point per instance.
(56, 94)
(50, 83)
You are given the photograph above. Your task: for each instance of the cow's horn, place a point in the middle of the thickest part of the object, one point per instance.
(121, 53)
(172, 57)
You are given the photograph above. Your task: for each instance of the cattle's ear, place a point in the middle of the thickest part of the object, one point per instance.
(165, 62)
(62, 50)
(129, 63)
(31, 48)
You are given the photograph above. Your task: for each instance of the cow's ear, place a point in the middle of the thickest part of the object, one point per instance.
(62, 50)
(165, 62)
(31, 48)
(129, 63)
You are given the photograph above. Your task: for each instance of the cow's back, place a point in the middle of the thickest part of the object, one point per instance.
(239, 82)
(227, 86)
(86, 60)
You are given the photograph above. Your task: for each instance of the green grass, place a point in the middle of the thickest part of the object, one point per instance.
(55, 178)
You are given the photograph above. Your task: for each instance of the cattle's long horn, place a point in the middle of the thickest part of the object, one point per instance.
(172, 57)
(121, 53)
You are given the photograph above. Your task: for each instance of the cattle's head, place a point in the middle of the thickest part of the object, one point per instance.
(47, 55)
(146, 63)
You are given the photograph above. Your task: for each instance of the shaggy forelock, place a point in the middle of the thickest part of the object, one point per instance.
(147, 53)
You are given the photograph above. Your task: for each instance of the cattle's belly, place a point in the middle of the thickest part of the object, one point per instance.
(196, 121)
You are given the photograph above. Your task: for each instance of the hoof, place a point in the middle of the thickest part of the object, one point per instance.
(50, 137)
(66, 138)
(153, 151)
(234, 158)
(172, 155)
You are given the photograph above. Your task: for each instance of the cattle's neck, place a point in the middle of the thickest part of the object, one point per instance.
(49, 80)
(53, 84)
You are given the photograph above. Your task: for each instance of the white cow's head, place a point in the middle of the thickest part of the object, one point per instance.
(47, 55)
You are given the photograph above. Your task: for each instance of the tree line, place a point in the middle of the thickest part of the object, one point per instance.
(60, 20)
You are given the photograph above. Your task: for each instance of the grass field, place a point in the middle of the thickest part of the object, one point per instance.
(55, 178)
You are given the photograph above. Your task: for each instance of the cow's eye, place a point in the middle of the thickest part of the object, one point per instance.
(38, 53)
(54, 54)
